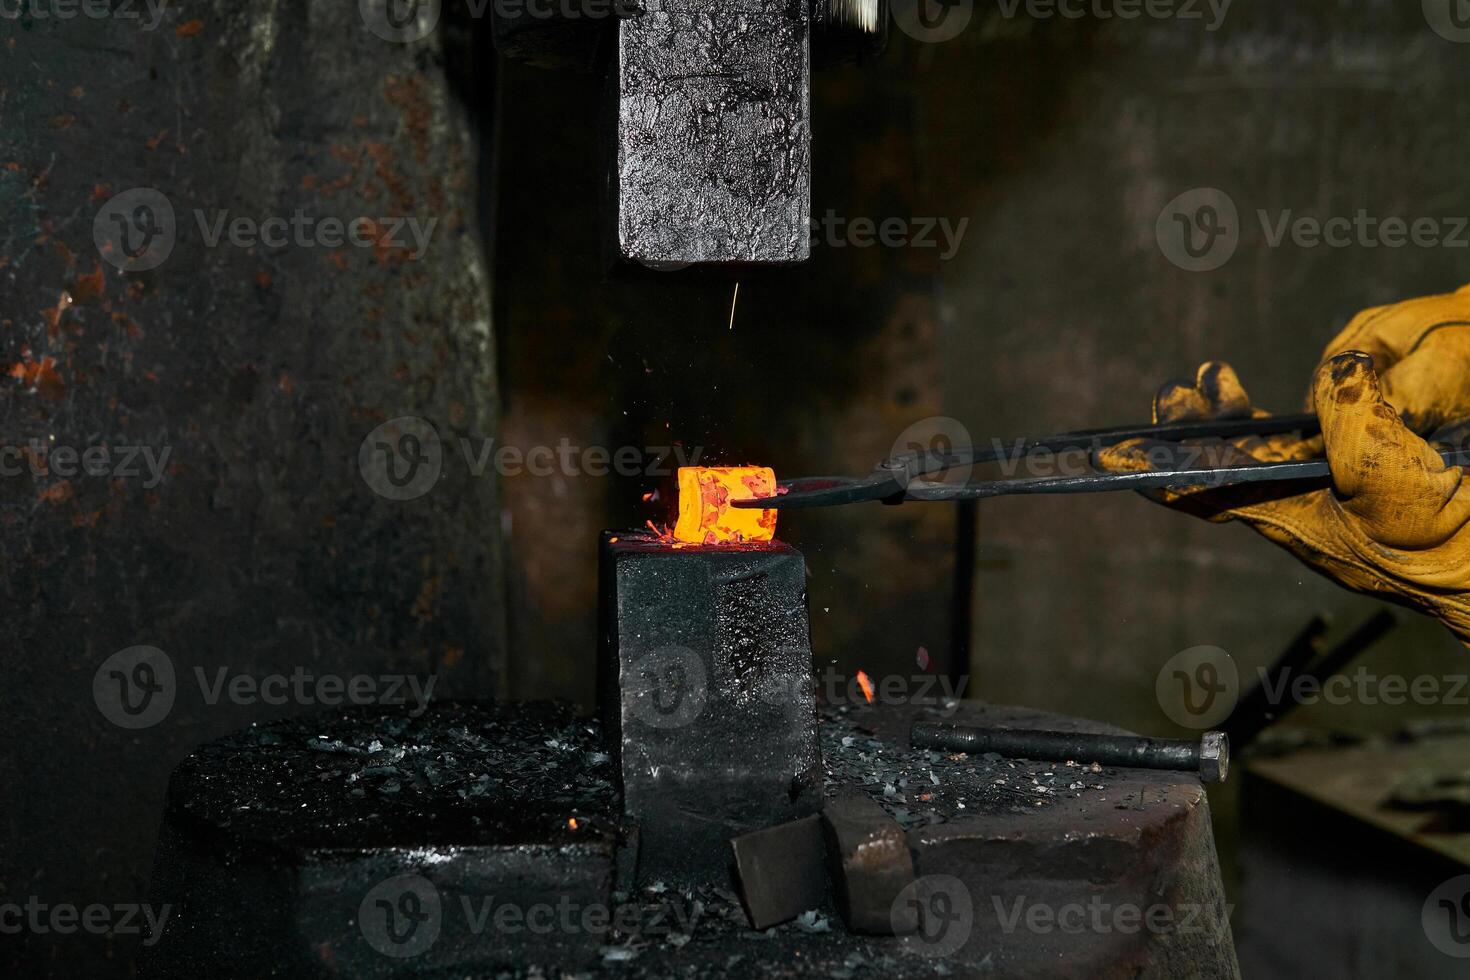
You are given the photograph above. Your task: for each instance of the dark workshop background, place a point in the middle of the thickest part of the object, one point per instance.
(1059, 140)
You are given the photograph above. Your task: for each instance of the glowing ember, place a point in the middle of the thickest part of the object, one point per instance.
(572, 823)
(705, 495)
(866, 685)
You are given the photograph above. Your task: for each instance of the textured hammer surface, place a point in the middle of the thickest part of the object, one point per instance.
(714, 140)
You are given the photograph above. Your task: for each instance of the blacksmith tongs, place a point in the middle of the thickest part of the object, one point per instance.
(897, 479)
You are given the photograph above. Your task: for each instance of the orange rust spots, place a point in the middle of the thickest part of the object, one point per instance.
(189, 28)
(263, 279)
(308, 182)
(153, 141)
(100, 193)
(57, 493)
(90, 285)
(77, 92)
(705, 496)
(64, 121)
(866, 685)
(40, 376)
(338, 259)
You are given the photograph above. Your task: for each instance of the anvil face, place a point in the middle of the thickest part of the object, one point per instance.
(713, 156)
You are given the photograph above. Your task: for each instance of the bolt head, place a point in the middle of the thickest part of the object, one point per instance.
(1214, 757)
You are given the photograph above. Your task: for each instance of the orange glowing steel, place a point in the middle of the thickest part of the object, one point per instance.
(866, 685)
(705, 514)
(572, 823)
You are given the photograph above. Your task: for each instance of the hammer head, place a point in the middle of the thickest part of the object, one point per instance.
(713, 140)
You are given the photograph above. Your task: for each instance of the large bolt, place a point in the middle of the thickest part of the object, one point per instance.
(1209, 758)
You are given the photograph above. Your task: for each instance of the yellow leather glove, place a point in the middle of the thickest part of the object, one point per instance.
(1393, 523)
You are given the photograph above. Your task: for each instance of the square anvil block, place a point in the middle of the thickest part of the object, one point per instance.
(707, 696)
(713, 142)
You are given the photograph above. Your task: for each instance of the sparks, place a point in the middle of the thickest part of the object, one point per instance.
(866, 685)
(572, 823)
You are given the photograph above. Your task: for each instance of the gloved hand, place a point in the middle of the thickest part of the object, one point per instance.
(1393, 523)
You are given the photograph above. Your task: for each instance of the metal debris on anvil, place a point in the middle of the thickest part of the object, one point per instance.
(920, 788)
(537, 767)
(703, 932)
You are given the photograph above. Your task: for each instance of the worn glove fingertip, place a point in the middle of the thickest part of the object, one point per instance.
(1220, 387)
(1179, 401)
